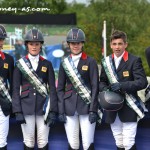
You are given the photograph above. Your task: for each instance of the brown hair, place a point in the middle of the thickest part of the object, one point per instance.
(118, 35)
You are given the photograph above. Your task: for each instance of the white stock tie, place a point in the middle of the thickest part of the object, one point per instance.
(117, 62)
(34, 63)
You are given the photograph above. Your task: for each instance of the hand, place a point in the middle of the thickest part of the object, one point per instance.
(106, 88)
(62, 118)
(115, 87)
(93, 117)
(51, 119)
(20, 118)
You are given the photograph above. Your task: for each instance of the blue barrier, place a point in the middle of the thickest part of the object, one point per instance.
(54, 54)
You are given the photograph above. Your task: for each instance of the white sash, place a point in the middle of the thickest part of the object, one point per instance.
(76, 80)
(4, 92)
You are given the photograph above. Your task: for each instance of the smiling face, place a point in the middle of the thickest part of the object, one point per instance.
(118, 46)
(34, 48)
(76, 47)
(118, 42)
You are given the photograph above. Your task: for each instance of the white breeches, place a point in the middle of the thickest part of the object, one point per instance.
(4, 127)
(73, 126)
(124, 133)
(28, 130)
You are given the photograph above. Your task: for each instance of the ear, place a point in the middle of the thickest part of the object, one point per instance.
(26, 47)
(110, 45)
(41, 48)
(126, 44)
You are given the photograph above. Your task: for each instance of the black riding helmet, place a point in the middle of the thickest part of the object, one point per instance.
(34, 35)
(111, 101)
(75, 35)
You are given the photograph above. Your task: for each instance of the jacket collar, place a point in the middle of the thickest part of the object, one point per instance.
(125, 56)
(40, 57)
(83, 56)
(2, 55)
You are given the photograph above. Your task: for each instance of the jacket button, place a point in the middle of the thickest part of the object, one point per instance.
(34, 93)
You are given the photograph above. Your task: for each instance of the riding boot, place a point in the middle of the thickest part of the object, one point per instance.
(133, 147)
(44, 148)
(91, 147)
(27, 148)
(120, 148)
(69, 148)
(3, 148)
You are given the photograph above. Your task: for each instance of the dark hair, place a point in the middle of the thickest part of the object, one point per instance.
(118, 35)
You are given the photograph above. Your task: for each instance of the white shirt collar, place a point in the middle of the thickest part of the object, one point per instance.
(33, 57)
(118, 58)
(76, 56)
(76, 59)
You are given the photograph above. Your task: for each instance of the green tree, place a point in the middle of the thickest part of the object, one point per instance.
(131, 16)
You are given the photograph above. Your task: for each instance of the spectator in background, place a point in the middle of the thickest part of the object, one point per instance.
(20, 49)
(65, 48)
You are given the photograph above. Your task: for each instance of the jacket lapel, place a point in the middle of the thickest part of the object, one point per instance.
(82, 61)
(2, 58)
(123, 61)
(40, 63)
(113, 62)
(1, 63)
(121, 65)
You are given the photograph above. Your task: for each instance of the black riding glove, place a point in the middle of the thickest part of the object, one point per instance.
(106, 88)
(93, 117)
(115, 87)
(62, 118)
(20, 118)
(51, 119)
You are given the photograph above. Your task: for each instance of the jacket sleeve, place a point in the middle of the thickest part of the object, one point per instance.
(104, 83)
(61, 89)
(52, 86)
(16, 104)
(94, 81)
(140, 80)
(10, 78)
